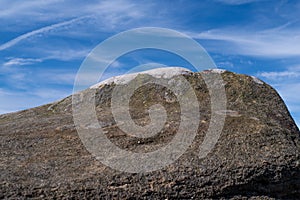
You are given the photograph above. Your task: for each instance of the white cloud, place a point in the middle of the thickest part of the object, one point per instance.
(103, 16)
(266, 43)
(14, 8)
(279, 75)
(116, 13)
(66, 8)
(57, 77)
(237, 2)
(65, 54)
(108, 14)
(39, 31)
(21, 61)
(291, 73)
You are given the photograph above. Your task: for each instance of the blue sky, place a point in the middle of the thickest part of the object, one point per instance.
(43, 42)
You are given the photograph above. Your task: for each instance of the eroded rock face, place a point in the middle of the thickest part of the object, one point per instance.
(256, 156)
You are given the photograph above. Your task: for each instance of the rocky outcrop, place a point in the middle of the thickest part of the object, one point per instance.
(256, 156)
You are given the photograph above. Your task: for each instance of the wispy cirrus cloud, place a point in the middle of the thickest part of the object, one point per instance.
(10, 9)
(21, 61)
(61, 55)
(40, 31)
(118, 13)
(99, 16)
(291, 73)
(108, 14)
(265, 43)
(237, 2)
(65, 54)
(279, 75)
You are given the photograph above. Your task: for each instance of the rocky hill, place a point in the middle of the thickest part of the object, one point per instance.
(256, 156)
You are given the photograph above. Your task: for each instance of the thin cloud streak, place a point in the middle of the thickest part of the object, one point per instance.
(110, 14)
(237, 2)
(291, 73)
(21, 61)
(255, 43)
(279, 75)
(39, 31)
(61, 55)
(11, 8)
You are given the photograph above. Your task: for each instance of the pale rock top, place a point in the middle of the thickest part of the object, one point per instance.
(166, 72)
(218, 71)
(256, 80)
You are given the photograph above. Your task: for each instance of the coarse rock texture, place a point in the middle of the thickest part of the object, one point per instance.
(256, 157)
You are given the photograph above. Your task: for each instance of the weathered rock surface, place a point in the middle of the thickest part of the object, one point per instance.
(257, 154)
